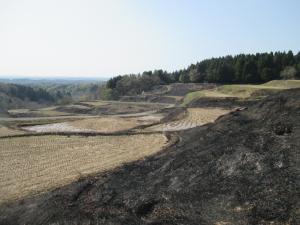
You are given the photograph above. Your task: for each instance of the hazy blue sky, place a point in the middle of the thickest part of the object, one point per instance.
(111, 37)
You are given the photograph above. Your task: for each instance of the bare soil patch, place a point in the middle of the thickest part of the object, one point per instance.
(102, 125)
(106, 124)
(55, 127)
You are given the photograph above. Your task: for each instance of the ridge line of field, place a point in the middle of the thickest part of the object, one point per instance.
(86, 134)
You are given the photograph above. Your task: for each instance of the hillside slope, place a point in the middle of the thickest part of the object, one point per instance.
(242, 169)
(237, 94)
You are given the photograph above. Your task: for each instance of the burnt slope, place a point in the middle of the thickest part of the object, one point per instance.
(243, 169)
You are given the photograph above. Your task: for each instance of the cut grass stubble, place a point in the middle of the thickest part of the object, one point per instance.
(30, 165)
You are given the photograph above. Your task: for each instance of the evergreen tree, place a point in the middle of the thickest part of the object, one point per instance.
(184, 78)
(266, 74)
(250, 74)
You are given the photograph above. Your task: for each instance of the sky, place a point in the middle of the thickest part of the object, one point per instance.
(104, 38)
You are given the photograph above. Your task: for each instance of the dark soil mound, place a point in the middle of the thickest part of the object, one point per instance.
(220, 102)
(124, 108)
(179, 89)
(76, 109)
(172, 114)
(149, 98)
(242, 169)
(3, 113)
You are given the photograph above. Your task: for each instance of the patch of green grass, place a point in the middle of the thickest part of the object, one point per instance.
(284, 84)
(243, 91)
(191, 96)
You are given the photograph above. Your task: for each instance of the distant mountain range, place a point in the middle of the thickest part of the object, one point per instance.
(49, 80)
(35, 92)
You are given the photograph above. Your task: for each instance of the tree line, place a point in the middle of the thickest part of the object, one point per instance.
(242, 68)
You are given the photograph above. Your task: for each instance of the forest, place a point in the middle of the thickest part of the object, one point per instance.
(33, 95)
(239, 69)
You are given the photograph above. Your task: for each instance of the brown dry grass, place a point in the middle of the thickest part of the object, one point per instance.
(5, 131)
(30, 165)
(194, 117)
(51, 111)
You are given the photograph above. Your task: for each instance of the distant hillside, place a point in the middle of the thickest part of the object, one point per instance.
(73, 91)
(31, 93)
(37, 81)
(15, 96)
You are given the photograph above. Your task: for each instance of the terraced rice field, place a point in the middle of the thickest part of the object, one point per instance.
(55, 127)
(30, 165)
(95, 103)
(103, 124)
(106, 124)
(194, 117)
(49, 111)
(5, 131)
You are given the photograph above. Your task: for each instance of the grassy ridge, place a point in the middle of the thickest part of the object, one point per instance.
(243, 91)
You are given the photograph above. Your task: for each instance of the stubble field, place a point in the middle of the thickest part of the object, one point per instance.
(31, 165)
(103, 125)
(192, 118)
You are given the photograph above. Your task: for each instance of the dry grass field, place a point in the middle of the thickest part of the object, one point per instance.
(51, 111)
(103, 125)
(95, 103)
(30, 165)
(48, 111)
(194, 117)
(106, 124)
(6, 131)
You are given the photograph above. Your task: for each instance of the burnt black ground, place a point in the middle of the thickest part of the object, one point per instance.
(226, 103)
(242, 169)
